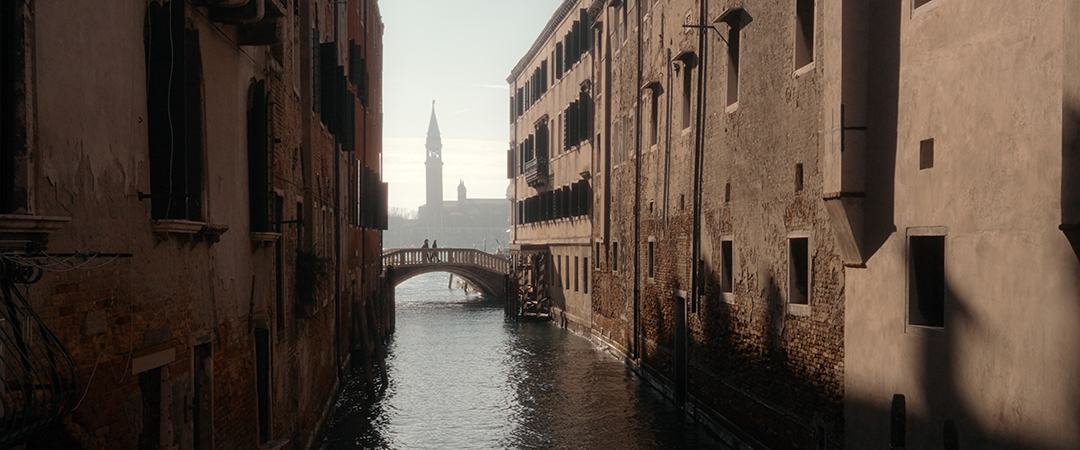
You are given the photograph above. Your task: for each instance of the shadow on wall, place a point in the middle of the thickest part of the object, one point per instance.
(743, 369)
(951, 423)
(882, 98)
(1070, 172)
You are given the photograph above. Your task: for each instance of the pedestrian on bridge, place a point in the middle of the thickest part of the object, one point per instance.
(435, 253)
(427, 254)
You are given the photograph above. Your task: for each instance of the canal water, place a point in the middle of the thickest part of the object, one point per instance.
(463, 377)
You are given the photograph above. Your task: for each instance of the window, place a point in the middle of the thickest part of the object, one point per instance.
(898, 422)
(558, 269)
(926, 154)
(726, 266)
(567, 272)
(262, 381)
(654, 114)
(798, 271)
(652, 259)
(585, 275)
(918, 3)
(687, 77)
(734, 37)
(260, 158)
(926, 280)
(614, 256)
(798, 177)
(12, 140)
(727, 192)
(576, 275)
(804, 32)
(174, 112)
(597, 255)
(150, 391)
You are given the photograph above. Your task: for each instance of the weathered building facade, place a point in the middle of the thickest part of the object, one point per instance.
(550, 166)
(811, 218)
(213, 168)
(717, 272)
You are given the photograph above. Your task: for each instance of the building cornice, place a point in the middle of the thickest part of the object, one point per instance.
(549, 29)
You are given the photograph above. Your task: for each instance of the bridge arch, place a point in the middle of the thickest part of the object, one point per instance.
(488, 272)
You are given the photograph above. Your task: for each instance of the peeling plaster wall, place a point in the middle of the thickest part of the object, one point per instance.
(91, 163)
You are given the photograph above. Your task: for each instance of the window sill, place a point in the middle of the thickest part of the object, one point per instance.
(21, 231)
(732, 108)
(807, 68)
(926, 330)
(799, 310)
(727, 297)
(186, 231)
(260, 238)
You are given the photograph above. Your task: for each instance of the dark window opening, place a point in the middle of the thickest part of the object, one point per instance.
(174, 112)
(727, 193)
(654, 116)
(926, 285)
(260, 158)
(804, 32)
(262, 381)
(898, 422)
(798, 177)
(614, 256)
(585, 275)
(597, 257)
(577, 274)
(926, 154)
(918, 3)
(733, 60)
(686, 88)
(567, 272)
(726, 269)
(150, 390)
(798, 271)
(11, 68)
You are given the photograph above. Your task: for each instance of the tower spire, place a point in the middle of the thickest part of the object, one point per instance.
(434, 166)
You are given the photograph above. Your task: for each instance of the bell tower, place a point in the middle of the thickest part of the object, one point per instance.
(434, 168)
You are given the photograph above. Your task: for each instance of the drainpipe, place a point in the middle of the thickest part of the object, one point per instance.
(699, 144)
(637, 192)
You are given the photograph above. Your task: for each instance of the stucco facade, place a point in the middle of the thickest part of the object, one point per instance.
(181, 137)
(971, 125)
(550, 164)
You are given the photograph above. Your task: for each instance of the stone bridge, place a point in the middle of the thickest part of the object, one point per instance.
(489, 273)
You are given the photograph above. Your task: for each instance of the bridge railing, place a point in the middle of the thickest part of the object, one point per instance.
(446, 256)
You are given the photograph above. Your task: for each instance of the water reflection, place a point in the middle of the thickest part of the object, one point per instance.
(462, 377)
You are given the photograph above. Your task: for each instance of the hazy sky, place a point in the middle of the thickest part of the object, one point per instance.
(458, 53)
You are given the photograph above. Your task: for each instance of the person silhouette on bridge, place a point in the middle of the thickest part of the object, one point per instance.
(427, 254)
(434, 252)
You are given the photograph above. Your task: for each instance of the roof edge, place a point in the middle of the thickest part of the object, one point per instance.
(549, 29)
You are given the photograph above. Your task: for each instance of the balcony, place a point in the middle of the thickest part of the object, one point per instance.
(536, 172)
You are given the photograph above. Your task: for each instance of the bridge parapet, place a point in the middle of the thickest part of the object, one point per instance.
(458, 257)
